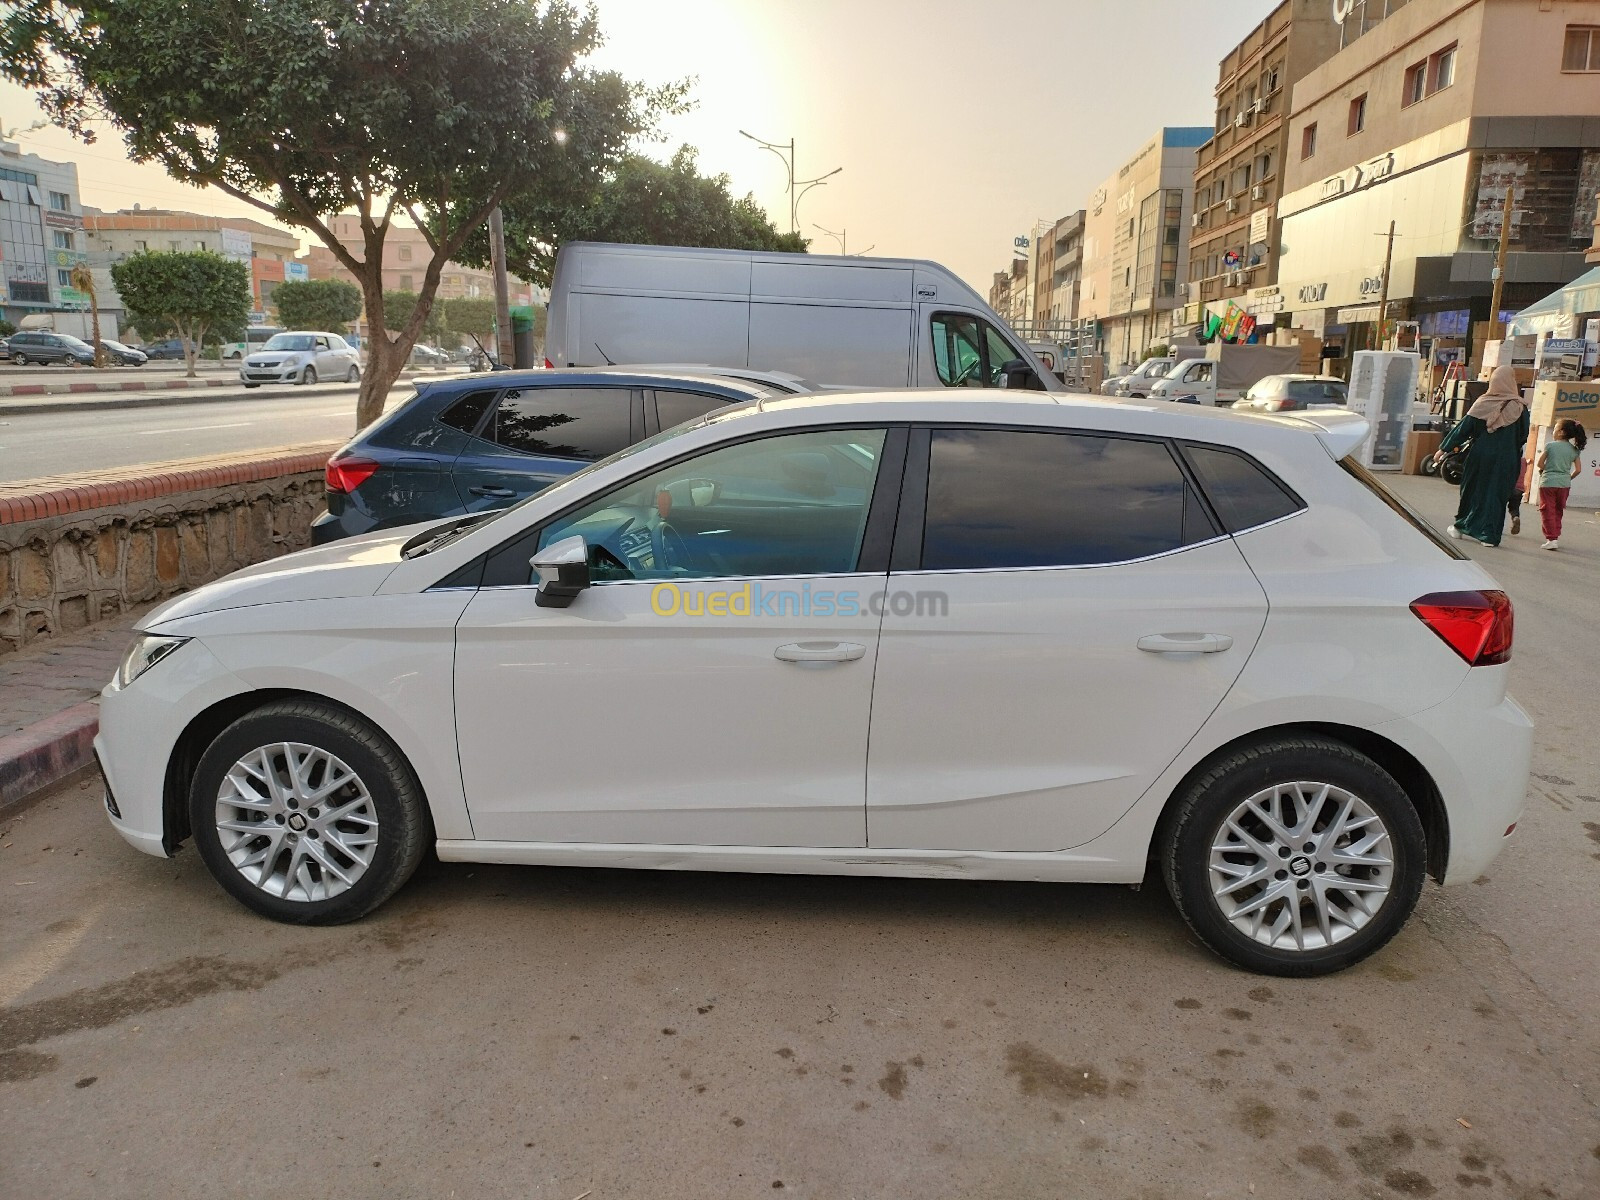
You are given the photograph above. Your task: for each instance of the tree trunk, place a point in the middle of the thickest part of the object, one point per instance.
(385, 361)
(190, 351)
(100, 356)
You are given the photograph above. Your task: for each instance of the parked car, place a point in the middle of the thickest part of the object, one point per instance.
(427, 356)
(1138, 383)
(122, 355)
(469, 443)
(301, 358)
(41, 346)
(168, 348)
(772, 381)
(1290, 393)
(1086, 636)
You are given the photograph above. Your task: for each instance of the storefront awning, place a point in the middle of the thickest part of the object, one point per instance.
(1555, 313)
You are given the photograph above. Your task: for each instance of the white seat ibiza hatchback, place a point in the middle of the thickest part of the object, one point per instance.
(966, 636)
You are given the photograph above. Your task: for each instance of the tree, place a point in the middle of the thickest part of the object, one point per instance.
(470, 317)
(398, 307)
(194, 293)
(641, 201)
(436, 109)
(83, 279)
(328, 304)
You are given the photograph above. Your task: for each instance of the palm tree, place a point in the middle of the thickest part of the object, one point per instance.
(83, 280)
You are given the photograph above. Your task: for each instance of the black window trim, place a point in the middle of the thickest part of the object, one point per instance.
(882, 509)
(1183, 444)
(906, 558)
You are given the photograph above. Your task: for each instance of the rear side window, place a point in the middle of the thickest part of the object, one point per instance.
(1244, 494)
(674, 408)
(1003, 498)
(467, 413)
(585, 423)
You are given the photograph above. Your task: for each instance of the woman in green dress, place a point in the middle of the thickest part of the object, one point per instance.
(1497, 427)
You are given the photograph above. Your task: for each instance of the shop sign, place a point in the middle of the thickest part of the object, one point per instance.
(296, 272)
(1098, 201)
(61, 220)
(1260, 224)
(1359, 176)
(1372, 285)
(1313, 293)
(236, 245)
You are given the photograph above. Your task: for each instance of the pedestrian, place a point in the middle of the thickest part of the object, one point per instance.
(1558, 467)
(1514, 505)
(1497, 428)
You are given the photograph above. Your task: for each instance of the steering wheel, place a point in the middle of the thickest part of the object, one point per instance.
(668, 548)
(967, 372)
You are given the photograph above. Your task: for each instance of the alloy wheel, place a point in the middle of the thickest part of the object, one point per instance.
(1301, 866)
(296, 822)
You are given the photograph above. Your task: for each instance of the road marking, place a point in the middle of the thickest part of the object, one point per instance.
(194, 428)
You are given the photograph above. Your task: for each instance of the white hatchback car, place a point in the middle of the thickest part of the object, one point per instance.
(1086, 634)
(301, 358)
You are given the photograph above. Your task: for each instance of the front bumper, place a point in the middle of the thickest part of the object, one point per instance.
(249, 374)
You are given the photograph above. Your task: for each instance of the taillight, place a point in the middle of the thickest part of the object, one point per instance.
(347, 474)
(548, 365)
(1476, 625)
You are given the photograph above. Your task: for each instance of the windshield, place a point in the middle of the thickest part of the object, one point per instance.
(1156, 366)
(291, 341)
(75, 343)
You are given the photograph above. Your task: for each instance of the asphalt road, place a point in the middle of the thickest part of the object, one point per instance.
(39, 444)
(548, 1034)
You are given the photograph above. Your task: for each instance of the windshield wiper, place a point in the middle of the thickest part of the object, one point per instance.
(443, 535)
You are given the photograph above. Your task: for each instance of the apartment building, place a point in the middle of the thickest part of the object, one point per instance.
(406, 255)
(1233, 247)
(1136, 240)
(1056, 265)
(41, 234)
(1426, 116)
(1008, 293)
(269, 251)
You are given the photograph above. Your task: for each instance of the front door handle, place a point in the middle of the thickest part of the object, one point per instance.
(499, 493)
(1186, 643)
(800, 652)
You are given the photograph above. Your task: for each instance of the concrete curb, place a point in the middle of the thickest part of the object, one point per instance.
(46, 752)
(141, 394)
(67, 387)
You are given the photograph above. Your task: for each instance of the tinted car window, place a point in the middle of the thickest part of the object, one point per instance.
(674, 408)
(1315, 391)
(585, 423)
(1244, 494)
(1001, 498)
(466, 412)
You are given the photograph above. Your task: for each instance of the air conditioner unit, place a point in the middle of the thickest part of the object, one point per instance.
(1198, 219)
(1259, 192)
(1382, 386)
(1244, 118)
(1265, 103)
(1230, 204)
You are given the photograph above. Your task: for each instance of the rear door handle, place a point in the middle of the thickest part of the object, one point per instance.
(499, 493)
(800, 652)
(1186, 643)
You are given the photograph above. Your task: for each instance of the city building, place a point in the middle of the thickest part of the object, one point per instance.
(1008, 293)
(1135, 242)
(1233, 253)
(268, 250)
(41, 235)
(1055, 261)
(406, 255)
(1424, 119)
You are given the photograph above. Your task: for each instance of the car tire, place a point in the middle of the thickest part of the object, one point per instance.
(353, 375)
(291, 879)
(309, 375)
(20, 359)
(252, 385)
(1263, 805)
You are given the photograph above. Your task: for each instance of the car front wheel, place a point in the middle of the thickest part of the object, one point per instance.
(305, 813)
(310, 375)
(1297, 857)
(353, 375)
(20, 359)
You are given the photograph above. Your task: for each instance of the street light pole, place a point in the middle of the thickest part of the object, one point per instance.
(805, 185)
(839, 237)
(786, 153)
(1383, 297)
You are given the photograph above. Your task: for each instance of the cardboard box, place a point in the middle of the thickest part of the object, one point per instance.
(1420, 446)
(1555, 399)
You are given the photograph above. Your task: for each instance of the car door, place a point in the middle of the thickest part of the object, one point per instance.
(1062, 616)
(689, 696)
(537, 434)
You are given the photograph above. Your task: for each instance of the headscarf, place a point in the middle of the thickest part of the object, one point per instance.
(1502, 404)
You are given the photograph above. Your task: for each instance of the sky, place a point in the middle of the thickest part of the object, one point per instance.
(958, 125)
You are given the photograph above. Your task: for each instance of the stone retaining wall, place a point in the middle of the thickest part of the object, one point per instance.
(79, 549)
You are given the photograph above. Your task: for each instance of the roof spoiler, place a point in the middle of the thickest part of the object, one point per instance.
(1340, 430)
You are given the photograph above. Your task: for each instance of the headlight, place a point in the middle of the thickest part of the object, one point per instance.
(147, 650)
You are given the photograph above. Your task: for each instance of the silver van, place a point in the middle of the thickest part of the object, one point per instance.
(844, 322)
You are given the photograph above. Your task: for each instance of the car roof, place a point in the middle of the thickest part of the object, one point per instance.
(782, 379)
(623, 376)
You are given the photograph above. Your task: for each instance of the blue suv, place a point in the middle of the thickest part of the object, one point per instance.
(479, 442)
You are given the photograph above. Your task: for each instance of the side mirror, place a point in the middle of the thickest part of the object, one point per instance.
(1014, 373)
(563, 571)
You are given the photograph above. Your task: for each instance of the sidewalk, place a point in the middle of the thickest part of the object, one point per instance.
(49, 704)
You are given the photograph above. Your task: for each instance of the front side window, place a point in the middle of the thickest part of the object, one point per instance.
(968, 351)
(795, 504)
(1014, 498)
(585, 423)
(1199, 373)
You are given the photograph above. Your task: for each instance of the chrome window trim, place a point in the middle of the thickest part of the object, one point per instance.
(514, 587)
(1119, 562)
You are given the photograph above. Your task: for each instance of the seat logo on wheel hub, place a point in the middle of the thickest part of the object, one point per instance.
(1300, 867)
(297, 822)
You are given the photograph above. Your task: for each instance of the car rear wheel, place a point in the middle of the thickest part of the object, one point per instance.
(1297, 857)
(310, 375)
(306, 814)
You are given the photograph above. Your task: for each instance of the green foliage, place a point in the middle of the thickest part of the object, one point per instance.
(470, 318)
(6, 328)
(1158, 351)
(327, 304)
(642, 202)
(196, 294)
(398, 307)
(438, 109)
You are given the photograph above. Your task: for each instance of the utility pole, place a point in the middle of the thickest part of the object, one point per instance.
(1383, 297)
(503, 348)
(1495, 331)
